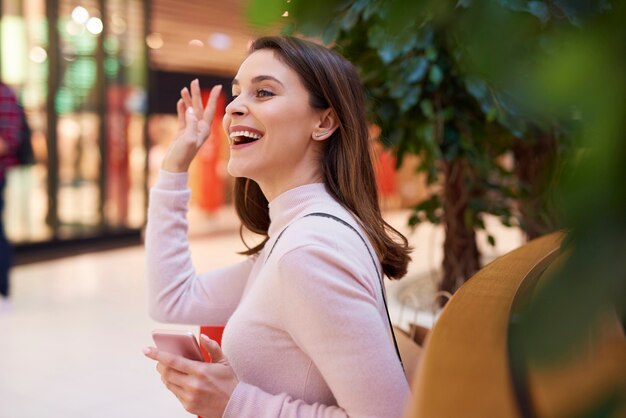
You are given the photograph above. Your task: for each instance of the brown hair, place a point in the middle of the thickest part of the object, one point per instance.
(348, 173)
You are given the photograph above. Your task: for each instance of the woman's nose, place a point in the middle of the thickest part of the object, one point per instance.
(236, 107)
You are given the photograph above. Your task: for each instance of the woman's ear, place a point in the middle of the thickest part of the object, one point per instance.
(327, 124)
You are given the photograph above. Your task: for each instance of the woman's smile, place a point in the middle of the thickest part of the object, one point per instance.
(243, 135)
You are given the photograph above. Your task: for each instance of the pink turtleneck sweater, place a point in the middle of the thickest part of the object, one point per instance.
(306, 329)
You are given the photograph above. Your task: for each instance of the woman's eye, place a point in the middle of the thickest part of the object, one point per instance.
(233, 97)
(264, 93)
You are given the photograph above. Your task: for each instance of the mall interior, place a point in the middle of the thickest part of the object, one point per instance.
(99, 89)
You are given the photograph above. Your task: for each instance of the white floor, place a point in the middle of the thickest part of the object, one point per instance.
(71, 346)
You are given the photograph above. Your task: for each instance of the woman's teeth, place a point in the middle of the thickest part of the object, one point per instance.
(244, 137)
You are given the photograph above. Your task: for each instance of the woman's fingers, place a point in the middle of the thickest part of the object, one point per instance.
(209, 111)
(196, 98)
(204, 127)
(180, 111)
(214, 350)
(171, 376)
(170, 360)
(186, 96)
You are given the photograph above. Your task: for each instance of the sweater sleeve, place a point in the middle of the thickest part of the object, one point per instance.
(176, 293)
(332, 315)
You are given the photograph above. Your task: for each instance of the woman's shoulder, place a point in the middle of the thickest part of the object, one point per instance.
(334, 227)
(322, 247)
(335, 234)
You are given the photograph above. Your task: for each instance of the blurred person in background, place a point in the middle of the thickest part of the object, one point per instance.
(307, 329)
(10, 126)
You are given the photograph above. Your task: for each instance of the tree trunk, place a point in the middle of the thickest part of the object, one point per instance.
(461, 257)
(535, 163)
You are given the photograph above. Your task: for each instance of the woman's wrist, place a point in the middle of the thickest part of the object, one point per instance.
(169, 180)
(174, 167)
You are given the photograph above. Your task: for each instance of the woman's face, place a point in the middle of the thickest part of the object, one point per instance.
(270, 125)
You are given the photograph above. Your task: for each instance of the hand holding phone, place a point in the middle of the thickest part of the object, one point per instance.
(182, 343)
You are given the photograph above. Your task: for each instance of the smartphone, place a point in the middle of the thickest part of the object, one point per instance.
(182, 343)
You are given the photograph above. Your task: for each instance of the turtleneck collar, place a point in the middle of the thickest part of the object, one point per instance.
(297, 202)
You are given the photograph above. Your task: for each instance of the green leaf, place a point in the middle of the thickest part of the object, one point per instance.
(427, 108)
(430, 208)
(330, 34)
(410, 98)
(371, 8)
(435, 75)
(431, 53)
(425, 132)
(477, 88)
(416, 69)
(424, 38)
(353, 14)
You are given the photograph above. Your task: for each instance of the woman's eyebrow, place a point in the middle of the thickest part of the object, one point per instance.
(258, 79)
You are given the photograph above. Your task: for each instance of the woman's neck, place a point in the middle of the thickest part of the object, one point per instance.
(271, 190)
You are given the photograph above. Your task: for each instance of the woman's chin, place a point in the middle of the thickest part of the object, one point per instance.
(236, 170)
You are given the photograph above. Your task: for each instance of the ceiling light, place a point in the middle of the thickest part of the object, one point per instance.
(220, 41)
(37, 54)
(154, 40)
(80, 14)
(94, 25)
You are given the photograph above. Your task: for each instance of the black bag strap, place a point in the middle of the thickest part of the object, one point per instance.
(381, 281)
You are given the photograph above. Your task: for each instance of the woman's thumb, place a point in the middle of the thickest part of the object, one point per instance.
(214, 350)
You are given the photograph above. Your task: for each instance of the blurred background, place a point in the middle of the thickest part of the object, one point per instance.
(98, 81)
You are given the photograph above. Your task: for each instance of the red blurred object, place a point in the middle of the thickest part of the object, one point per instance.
(117, 161)
(214, 333)
(386, 173)
(211, 183)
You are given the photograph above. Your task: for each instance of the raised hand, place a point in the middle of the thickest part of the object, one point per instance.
(194, 123)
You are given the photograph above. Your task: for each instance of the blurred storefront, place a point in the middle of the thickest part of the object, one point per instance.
(79, 69)
(99, 86)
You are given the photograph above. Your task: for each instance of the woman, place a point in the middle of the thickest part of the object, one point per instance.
(308, 332)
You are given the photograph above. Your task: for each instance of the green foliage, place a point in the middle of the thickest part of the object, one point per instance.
(574, 72)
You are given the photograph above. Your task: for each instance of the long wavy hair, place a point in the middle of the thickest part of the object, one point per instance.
(347, 169)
